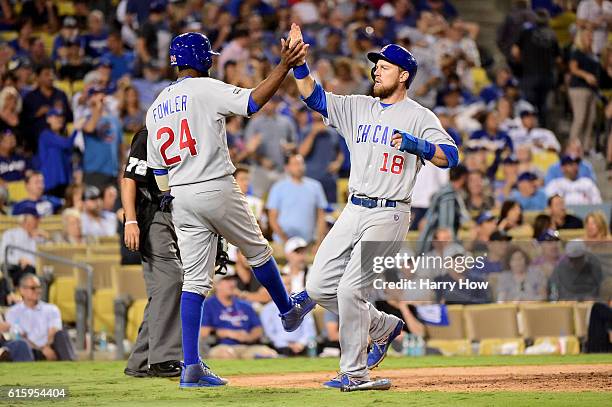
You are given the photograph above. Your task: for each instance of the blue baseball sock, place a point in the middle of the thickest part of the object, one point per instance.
(191, 315)
(269, 276)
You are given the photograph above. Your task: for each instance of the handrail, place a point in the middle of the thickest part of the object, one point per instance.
(83, 266)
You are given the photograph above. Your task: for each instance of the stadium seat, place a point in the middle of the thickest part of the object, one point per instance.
(134, 319)
(479, 79)
(547, 319)
(6, 36)
(104, 249)
(65, 86)
(454, 331)
(570, 234)
(108, 239)
(61, 293)
(542, 160)
(68, 251)
(342, 190)
(65, 8)
(491, 321)
(17, 191)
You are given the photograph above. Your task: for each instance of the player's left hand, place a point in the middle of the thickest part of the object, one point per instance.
(293, 54)
(405, 142)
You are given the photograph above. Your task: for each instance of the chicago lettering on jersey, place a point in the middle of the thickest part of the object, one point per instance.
(170, 106)
(374, 133)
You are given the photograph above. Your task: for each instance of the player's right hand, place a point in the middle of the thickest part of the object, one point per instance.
(132, 237)
(294, 54)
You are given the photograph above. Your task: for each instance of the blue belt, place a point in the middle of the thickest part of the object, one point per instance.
(372, 202)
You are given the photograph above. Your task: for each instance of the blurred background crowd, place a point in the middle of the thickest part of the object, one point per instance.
(524, 92)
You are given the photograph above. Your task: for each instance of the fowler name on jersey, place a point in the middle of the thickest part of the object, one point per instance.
(169, 106)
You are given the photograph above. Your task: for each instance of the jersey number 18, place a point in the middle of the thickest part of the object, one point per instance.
(185, 141)
(397, 164)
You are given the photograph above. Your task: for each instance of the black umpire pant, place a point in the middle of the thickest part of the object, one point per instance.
(159, 335)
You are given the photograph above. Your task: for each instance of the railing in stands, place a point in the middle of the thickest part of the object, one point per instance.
(86, 300)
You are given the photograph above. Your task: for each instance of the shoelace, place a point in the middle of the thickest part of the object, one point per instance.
(207, 370)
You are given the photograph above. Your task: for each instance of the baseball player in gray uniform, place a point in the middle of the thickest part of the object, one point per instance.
(187, 148)
(390, 138)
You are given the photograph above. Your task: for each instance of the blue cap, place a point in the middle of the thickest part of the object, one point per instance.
(27, 208)
(157, 6)
(550, 235)
(485, 217)
(527, 176)
(105, 62)
(510, 160)
(95, 89)
(54, 112)
(569, 159)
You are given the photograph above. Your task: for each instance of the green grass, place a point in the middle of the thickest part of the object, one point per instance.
(103, 383)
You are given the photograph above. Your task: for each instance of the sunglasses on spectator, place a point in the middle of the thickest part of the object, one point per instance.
(32, 287)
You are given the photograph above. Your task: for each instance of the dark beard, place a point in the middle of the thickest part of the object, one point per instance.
(384, 93)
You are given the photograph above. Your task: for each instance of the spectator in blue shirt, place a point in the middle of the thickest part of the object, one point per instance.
(121, 60)
(496, 90)
(585, 169)
(38, 102)
(35, 187)
(69, 34)
(103, 135)
(55, 155)
(320, 148)
(527, 194)
(235, 324)
(297, 204)
(13, 166)
(96, 39)
(21, 45)
(491, 137)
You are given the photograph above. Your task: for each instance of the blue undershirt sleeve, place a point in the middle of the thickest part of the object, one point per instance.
(451, 153)
(317, 100)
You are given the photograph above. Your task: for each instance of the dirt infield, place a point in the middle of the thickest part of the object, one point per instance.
(490, 378)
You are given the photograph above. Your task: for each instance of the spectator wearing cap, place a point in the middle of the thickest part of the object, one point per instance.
(511, 219)
(333, 47)
(55, 154)
(96, 221)
(13, 166)
(494, 91)
(20, 69)
(234, 322)
(529, 134)
(296, 267)
(585, 72)
(296, 204)
(39, 323)
(122, 61)
(527, 193)
(154, 36)
(287, 343)
(486, 225)
(549, 252)
(585, 168)
(520, 282)
(574, 189)
(577, 277)
(38, 102)
(559, 216)
(322, 155)
(26, 236)
(510, 172)
(68, 35)
(95, 40)
(513, 94)
(537, 52)
(35, 188)
(10, 108)
(103, 136)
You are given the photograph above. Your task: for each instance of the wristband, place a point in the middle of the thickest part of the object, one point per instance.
(301, 71)
(131, 222)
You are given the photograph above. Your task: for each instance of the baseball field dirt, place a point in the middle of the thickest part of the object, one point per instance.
(542, 381)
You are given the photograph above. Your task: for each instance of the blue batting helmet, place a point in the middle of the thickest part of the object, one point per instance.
(397, 55)
(192, 50)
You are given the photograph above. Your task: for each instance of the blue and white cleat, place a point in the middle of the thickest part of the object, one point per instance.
(379, 349)
(199, 375)
(348, 383)
(302, 305)
(334, 383)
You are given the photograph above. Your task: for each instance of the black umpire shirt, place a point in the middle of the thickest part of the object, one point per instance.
(147, 193)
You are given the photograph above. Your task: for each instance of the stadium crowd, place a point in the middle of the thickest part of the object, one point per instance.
(78, 77)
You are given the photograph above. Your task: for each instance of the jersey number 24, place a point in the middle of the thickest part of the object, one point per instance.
(185, 141)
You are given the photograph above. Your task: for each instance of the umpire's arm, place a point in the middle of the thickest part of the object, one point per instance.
(128, 200)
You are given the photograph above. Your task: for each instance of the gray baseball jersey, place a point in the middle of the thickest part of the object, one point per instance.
(186, 125)
(377, 169)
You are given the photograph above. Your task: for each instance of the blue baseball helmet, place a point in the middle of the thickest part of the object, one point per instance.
(192, 50)
(397, 55)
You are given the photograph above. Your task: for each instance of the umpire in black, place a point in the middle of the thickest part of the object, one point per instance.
(149, 230)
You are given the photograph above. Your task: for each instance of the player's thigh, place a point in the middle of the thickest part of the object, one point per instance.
(333, 255)
(382, 233)
(239, 226)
